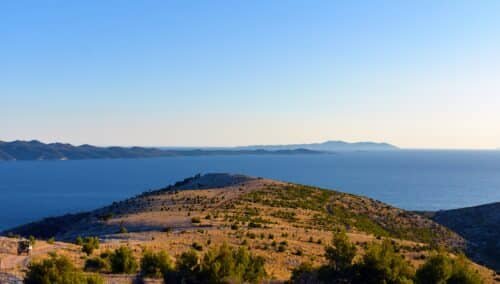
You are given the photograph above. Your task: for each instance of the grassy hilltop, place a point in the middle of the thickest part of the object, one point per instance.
(285, 225)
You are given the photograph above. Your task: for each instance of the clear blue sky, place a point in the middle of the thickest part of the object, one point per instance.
(418, 74)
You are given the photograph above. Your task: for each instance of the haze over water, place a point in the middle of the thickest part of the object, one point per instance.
(414, 180)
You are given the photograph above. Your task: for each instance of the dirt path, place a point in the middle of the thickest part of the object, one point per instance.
(12, 265)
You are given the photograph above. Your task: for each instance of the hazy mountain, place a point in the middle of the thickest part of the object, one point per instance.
(330, 146)
(36, 150)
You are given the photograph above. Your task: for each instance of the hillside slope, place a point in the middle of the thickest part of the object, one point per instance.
(239, 196)
(286, 223)
(480, 226)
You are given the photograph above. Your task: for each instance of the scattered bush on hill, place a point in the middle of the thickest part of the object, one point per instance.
(156, 264)
(58, 269)
(89, 244)
(223, 264)
(97, 264)
(79, 241)
(440, 268)
(123, 261)
(341, 253)
(382, 264)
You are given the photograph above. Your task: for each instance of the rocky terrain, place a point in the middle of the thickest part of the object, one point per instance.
(285, 223)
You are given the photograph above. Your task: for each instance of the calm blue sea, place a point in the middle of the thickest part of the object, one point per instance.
(416, 180)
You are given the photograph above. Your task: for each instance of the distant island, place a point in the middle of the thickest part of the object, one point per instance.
(328, 146)
(36, 150)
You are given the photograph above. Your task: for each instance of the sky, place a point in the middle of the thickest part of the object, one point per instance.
(417, 74)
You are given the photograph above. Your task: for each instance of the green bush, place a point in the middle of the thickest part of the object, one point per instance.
(90, 244)
(304, 273)
(123, 261)
(222, 264)
(341, 253)
(79, 241)
(32, 240)
(381, 264)
(97, 264)
(441, 268)
(187, 269)
(123, 230)
(60, 270)
(197, 246)
(225, 264)
(156, 264)
(436, 269)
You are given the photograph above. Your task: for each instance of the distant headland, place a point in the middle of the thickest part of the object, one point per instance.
(36, 150)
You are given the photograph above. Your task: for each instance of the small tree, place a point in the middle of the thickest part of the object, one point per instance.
(381, 264)
(341, 253)
(156, 264)
(188, 269)
(123, 261)
(90, 244)
(79, 241)
(32, 240)
(437, 269)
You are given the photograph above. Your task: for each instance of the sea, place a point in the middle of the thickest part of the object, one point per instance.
(409, 179)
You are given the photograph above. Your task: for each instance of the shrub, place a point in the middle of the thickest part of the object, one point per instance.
(32, 240)
(51, 241)
(436, 269)
(97, 264)
(254, 225)
(381, 264)
(123, 261)
(341, 253)
(195, 220)
(222, 264)
(281, 248)
(304, 273)
(463, 273)
(90, 244)
(440, 268)
(123, 230)
(197, 246)
(79, 241)
(58, 269)
(156, 264)
(225, 264)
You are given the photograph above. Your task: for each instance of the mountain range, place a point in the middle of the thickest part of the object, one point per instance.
(328, 146)
(36, 150)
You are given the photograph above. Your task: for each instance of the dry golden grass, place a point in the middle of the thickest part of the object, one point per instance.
(164, 221)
